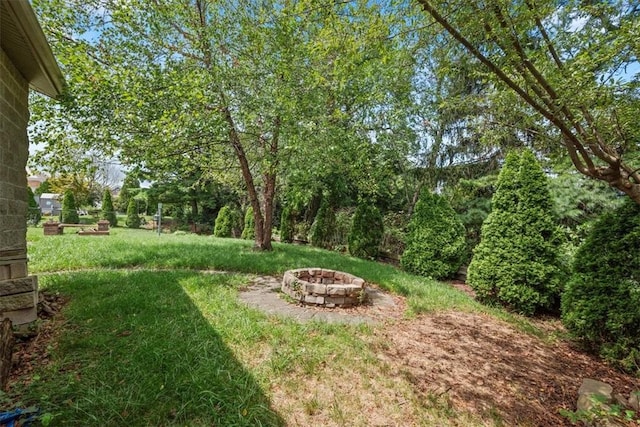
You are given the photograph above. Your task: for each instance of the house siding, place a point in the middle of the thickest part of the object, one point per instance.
(18, 291)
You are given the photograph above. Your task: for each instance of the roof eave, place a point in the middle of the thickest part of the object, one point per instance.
(49, 80)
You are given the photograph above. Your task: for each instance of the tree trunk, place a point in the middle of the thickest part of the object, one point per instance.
(236, 143)
(194, 209)
(6, 351)
(269, 196)
(269, 192)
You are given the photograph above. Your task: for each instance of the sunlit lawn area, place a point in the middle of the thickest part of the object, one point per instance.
(153, 336)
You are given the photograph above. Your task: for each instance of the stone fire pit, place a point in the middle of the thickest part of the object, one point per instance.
(328, 288)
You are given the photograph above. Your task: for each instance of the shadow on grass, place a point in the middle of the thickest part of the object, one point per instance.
(137, 350)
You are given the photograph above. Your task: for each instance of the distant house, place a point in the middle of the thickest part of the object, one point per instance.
(50, 203)
(35, 181)
(26, 62)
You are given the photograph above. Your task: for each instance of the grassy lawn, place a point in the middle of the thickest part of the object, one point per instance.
(153, 336)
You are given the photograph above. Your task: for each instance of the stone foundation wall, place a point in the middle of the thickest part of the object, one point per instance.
(18, 291)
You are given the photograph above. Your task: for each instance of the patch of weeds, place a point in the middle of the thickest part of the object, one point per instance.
(600, 410)
(442, 403)
(288, 298)
(362, 297)
(312, 406)
(496, 417)
(337, 413)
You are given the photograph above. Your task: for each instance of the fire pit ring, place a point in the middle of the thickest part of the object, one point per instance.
(323, 287)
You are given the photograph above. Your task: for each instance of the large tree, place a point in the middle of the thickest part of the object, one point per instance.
(566, 62)
(255, 89)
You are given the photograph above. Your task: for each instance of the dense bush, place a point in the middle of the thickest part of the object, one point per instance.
(249, 230)
(435, 239)
(342, 229)
(34, 215)
(323, 227)
(69, 213)
(366, 231)
(394, 234)
(227, 221)
(286, 226)
(108, 212)
(601, 304)
(133, 220)
(517, 262)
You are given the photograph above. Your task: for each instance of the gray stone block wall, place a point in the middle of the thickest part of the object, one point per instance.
(14, 150)
(18, 291)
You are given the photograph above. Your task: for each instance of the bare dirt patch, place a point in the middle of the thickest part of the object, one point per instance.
(486, 367)
(32, 352)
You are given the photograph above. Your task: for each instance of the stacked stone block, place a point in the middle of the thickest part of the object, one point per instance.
(328, 288)
(18, 290)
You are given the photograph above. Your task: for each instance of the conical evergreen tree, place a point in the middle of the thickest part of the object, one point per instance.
(133, 220)
(226, 222)
(69, 214)
(249, 230)
(324, 226)
(286, 226)
(130, 187)
(107, 211)
(435, 239)
(517, 261)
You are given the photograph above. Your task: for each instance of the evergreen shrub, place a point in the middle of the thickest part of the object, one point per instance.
(249, 230)
(286, 226)
(435, 243)
(69, 213)
(601, 303)
(226, 223)
(133, 220)
(323, 226)
(518, 262)
(108, 212)
(366, 231)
